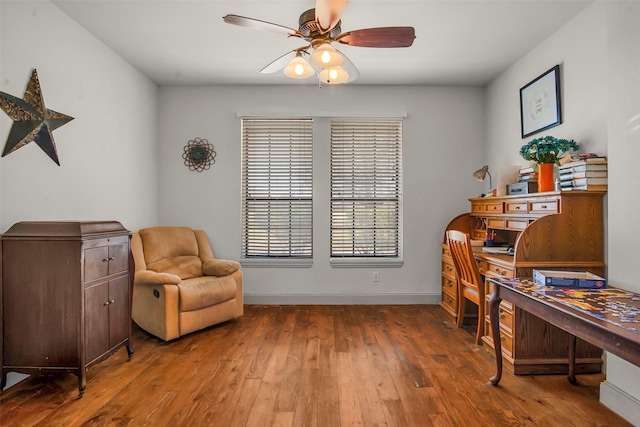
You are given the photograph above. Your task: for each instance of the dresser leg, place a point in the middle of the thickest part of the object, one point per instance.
(130, 349)
(82, 383)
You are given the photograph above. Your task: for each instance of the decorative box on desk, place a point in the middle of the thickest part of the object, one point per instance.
(520, 188)
(572, 279)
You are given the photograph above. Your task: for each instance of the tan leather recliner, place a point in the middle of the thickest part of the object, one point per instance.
(179, 286)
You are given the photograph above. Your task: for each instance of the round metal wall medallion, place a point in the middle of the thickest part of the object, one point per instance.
(198, 155)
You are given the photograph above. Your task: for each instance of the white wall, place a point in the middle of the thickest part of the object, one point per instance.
(621, 391)
(107, 153)
(442, 147)
(600, 67)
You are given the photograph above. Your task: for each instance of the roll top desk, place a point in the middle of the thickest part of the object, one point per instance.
(551, 230)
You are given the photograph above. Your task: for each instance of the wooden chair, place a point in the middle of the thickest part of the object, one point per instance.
(470, 283)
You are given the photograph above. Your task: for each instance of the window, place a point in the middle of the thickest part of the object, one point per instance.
(277, 189)
(366, 189)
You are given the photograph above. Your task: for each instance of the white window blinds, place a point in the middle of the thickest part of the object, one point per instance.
(366, 188)
(277, 188)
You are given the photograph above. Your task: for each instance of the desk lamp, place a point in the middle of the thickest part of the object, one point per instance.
(481, 173)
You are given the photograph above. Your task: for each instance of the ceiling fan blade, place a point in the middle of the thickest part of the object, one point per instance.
(379, 37)
(257, 24)
(279, 63)
(328, 13)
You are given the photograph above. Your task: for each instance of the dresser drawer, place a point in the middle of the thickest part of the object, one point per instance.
(105, 257)
(544, 206)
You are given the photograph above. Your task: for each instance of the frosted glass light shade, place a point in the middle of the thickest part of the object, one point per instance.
(333, 75)
(298, 68)
(325, 56)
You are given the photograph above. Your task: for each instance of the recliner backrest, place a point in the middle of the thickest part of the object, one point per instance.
(171, 250)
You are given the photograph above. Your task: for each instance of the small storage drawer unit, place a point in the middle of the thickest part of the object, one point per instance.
(66, 296)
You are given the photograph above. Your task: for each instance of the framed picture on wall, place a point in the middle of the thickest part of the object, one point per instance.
(540, 103)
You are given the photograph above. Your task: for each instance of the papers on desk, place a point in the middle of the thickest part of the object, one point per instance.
(497, 250)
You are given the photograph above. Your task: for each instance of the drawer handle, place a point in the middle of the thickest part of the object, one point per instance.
(502, 273)
(111, 301)
(544, 206)
(449, 283)
(111, 258)
(449, 268)
(517, 208)
(500, 313)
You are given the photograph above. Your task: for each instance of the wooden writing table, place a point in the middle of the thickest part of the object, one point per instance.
(608, 318)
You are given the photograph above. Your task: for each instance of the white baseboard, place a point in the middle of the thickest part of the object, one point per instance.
(620, 402)
(369, 299)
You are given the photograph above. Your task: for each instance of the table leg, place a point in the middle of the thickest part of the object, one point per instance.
(494, 304)
(572, 360)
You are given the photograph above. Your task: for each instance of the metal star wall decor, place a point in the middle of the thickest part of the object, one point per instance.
(32, 121)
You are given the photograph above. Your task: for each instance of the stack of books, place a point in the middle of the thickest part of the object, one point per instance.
(527, 174)
(588, 174)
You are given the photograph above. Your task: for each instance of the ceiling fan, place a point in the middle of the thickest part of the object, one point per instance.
(320, 27)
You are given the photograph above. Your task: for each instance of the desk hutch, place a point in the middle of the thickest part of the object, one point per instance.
(551, 230)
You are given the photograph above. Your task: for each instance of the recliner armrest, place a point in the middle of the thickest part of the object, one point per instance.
(148, 277)
(219, 267)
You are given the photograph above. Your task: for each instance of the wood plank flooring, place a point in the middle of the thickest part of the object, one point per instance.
(362, 365)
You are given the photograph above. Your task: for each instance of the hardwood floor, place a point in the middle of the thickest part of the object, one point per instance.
(404, 365)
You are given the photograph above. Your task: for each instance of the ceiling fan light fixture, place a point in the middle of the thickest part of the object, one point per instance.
(325, 56)
(333, 75)
(298, 68)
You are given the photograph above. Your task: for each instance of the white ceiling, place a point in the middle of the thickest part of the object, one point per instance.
(185, 42)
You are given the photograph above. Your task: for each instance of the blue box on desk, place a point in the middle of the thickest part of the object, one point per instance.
(572, 279)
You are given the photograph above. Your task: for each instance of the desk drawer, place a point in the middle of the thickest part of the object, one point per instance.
(544, 206)
(516, 207)
(495, 223)
(449, 287)
(495, 207)
(497, 270)
(448, 269)
(506, 339)
(450, 302)
(517, 224)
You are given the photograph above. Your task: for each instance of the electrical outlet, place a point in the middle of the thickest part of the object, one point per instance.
(376, 276)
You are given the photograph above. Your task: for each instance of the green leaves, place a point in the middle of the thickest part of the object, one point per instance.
(547, 149)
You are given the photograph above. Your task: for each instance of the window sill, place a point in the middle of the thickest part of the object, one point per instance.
(277, 262)
(366, 262)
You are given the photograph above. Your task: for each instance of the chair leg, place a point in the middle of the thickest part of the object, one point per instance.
(461, 305)
(480, 331)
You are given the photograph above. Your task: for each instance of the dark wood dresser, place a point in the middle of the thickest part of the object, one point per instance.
(66, 296)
